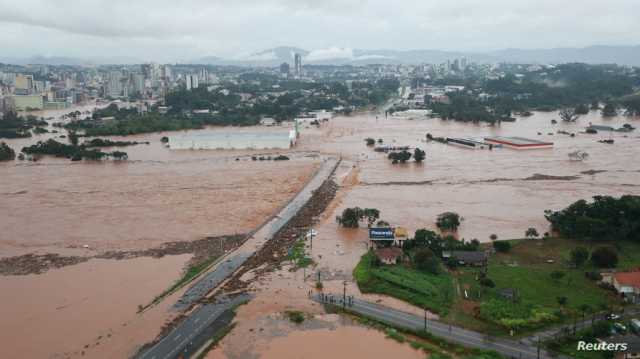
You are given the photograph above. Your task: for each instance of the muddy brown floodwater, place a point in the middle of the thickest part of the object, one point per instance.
(85, 209)
(160, 195)
(502, 191)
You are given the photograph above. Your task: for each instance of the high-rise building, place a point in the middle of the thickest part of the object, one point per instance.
(297, 64)
(203, 76)
(284, 68)
(24, 84)
(191, 82)
(113, 85)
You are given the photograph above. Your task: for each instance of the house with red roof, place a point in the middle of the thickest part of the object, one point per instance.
(628, 285)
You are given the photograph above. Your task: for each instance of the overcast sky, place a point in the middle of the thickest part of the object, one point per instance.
(185, 29)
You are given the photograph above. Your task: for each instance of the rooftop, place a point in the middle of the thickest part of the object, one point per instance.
(628, 279)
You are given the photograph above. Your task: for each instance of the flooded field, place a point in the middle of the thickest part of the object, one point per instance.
(497, 192)
(84, 209)
(160, 195)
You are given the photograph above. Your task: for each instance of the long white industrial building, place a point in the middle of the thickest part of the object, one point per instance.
(234, 140)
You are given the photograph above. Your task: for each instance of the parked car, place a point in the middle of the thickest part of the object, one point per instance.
(612, 316)
(619, 328)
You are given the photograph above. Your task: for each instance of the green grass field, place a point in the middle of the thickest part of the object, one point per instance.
(425, 290)
(526, 268)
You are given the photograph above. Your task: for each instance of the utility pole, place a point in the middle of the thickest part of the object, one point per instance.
(311, 238)
(425, 319)
(344, 295)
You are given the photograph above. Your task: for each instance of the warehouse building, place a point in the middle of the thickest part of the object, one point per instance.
(234, 141)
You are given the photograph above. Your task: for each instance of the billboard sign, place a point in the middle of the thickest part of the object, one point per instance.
(381, 233)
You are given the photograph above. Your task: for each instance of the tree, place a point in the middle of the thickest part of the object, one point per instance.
(604, 257)
(609, 110)
(402, 156)
(557, 275)
(426, 261)
(584, 308)
(449, 221)
(73, 138)
(531, 233)
(371, 214)
(6, 152)
(562, 300)
(370, 141)
(419, 155)
(579, 256)
(502, 246)
(493, 237)
(581, 109)
(568, 115)
(487, 282)
(350, 217)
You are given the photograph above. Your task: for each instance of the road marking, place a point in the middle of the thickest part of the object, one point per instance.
(177, 337)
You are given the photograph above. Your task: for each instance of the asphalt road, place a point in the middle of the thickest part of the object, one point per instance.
(186, 337)
(467, 338)
(210, 280)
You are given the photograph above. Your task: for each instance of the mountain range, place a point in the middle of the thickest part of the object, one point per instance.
(601, 54)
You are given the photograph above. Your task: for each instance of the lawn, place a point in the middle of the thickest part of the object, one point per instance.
(425, 290)
(527, 268)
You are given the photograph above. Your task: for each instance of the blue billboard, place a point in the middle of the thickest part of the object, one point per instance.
(381, 233)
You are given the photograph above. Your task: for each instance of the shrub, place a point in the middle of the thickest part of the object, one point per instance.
(604, 257)
(487, 282)
(579, 256)
(426, 261)
(593, 275)
(502, 246)
(295, 316)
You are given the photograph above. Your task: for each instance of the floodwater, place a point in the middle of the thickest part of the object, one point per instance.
(343, 342)
(485, 187)
(92, 304)
(162, 195)
(488, 188)
(159, 195)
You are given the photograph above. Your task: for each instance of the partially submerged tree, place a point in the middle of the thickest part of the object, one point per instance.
(531, 233)
(568, 115)
(449, 221)
(609, 110)
(419, 155)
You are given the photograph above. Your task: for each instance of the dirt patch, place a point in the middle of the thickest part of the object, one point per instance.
(201, 249)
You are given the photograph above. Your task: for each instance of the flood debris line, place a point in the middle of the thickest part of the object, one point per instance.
(202, 250)
(275, 251)
(534, 177)
(37, 263)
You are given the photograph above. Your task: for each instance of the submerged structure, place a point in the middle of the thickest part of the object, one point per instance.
(234, 141)
(518, 142)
